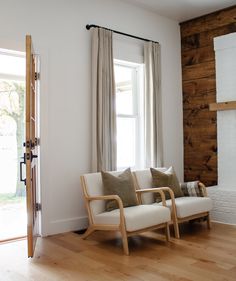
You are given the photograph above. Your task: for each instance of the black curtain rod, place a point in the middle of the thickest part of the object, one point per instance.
(88, 26)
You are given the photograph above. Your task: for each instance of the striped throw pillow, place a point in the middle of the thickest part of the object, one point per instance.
(191, 188)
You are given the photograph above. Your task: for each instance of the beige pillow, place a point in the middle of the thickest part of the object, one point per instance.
(167, 178)
(121, 185)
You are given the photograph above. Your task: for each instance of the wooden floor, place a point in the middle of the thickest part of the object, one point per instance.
(200, 255)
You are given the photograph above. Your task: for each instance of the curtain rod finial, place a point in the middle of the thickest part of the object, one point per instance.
(87, 26)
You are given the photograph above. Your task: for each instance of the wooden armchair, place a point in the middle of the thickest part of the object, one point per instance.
(182, 208)
(129, 221)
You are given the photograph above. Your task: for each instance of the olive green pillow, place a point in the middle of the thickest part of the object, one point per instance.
(121, 185)
(167, 178)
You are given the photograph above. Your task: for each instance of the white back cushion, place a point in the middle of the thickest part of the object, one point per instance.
(144, 180)
(94, 187)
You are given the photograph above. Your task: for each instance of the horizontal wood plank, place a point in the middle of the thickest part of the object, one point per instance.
(231, 105)
(198, 55)
(206, 38)
(199, 87)
(198, 101)
(196, 123)
(197, 71)
(199, 113)
(208, 22)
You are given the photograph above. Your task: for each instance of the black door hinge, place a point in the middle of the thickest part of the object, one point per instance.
(37, 141)
(36, 76)
(27, 144)
(38, 207)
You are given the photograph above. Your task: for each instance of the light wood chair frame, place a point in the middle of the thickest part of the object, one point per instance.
(121, 227)
(174, 218)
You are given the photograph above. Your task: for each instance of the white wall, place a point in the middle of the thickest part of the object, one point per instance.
(59, 35)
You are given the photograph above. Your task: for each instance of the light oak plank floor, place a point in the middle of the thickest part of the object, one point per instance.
(200, 254)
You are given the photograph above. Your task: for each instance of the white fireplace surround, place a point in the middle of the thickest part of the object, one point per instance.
(224, 195)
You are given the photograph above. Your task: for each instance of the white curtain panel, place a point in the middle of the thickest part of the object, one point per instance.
(152, 106)
(103, 102)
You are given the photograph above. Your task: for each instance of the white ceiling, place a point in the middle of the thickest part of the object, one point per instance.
(182, 10)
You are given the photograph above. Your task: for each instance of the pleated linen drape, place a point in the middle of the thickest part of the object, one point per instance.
(152, 106)
(103, 102)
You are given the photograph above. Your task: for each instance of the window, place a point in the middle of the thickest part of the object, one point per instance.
(129, 110)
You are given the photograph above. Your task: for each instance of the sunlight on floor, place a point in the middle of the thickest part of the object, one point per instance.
(13, 220)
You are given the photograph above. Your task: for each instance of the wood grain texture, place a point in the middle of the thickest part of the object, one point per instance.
(209, 22)
(205, 38)
(197, 55)
(198, 71)
(223, 106)
(199, 255)
(199, 90)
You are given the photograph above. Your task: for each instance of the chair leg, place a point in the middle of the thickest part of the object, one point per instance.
(88, 232)
(176, 228)
(124, 240)
(208, 221)
(167, 232)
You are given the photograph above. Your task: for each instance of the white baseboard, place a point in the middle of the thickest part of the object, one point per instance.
(220, 222)
(66, 225)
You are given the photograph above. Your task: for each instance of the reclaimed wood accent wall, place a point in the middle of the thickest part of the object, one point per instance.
(199, 90)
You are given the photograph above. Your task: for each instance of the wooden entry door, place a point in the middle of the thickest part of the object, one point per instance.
(31, 156)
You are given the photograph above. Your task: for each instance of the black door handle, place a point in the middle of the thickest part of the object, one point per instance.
(21, 177)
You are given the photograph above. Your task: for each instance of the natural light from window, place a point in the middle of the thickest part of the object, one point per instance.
(12, 134)
(12, 63)
(129, 93)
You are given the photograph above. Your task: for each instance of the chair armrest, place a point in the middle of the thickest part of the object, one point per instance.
(107, 197)
(152, 190)
(161, 189)
(158, 190)
(203, 188)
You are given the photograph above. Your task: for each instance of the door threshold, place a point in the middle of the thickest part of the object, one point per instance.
(14, 239)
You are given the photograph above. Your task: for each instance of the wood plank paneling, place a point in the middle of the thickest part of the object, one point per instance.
(197, 71)
(199, 90)
(209, 22)
(197, 55)
(199, 40)
(200, 87)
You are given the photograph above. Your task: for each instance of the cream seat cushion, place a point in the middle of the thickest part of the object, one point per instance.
(189, 206)
(136, 217)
